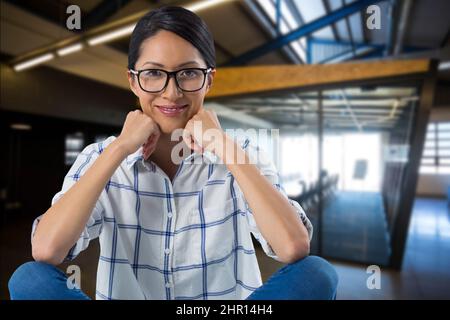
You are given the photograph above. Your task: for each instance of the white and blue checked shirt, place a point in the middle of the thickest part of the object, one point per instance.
(183, 239)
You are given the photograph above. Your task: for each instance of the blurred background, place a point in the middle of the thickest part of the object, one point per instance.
(359, 91)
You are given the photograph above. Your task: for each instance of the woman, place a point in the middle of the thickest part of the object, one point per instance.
(173, 230)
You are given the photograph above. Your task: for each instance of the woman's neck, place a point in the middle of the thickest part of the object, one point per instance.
(162, 155)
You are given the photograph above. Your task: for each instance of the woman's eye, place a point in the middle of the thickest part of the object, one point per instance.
(152, 73)
(188, 74)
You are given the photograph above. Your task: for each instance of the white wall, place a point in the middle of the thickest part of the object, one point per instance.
(429, 184)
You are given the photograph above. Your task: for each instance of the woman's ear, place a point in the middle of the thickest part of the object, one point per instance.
(133, 83)
(210, 79)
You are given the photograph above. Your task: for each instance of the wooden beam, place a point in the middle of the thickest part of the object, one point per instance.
(238, 81)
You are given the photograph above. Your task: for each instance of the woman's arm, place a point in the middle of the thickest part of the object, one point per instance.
(61, 226)
(275, 217)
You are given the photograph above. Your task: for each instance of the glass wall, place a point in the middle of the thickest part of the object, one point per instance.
(342, 156)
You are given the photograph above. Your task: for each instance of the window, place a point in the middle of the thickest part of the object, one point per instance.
(436, 152)
(354, 157)
(288, 23)
(74, 145)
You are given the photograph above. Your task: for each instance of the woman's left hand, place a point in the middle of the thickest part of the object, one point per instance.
(203, 132)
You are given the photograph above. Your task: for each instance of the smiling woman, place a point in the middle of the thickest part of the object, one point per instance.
(173, 230)
(162, 43)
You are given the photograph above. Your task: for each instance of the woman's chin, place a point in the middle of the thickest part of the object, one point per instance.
(169, 128)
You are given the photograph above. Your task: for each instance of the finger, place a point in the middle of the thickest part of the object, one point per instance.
(152, 144)
(153, 137)
(187, 137)
(150, 140)
(196, 148)
(190, 142)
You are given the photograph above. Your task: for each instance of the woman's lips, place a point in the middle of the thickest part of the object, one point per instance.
(172, 111)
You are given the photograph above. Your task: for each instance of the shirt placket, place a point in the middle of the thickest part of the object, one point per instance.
(168, 243)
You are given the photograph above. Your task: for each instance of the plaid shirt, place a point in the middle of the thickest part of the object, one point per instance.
(183, 239)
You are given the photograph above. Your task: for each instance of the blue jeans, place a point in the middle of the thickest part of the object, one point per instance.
(311, 278)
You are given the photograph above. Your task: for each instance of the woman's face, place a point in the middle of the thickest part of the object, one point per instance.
(167, 51)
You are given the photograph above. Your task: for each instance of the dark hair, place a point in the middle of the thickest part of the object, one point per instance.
(178, 20)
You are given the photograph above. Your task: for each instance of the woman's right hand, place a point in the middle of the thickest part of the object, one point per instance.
(139, 130)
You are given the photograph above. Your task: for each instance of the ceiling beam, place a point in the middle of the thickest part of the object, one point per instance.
(251, 9)
(392, 18)
(102, 12)
(238, 81)
(327, 7)
(405, 12)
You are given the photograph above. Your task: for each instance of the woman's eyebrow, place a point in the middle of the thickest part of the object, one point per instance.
(162, 66)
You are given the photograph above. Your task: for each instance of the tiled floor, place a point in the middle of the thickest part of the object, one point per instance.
(425, 275)
(426, 266)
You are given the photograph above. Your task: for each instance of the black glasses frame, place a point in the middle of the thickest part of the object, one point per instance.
(171, 74)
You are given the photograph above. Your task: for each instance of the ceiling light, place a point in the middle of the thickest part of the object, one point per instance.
(69, 49)
(33, 62)
(105, 37)
(200, 5)
(115, 34)
(20, 126)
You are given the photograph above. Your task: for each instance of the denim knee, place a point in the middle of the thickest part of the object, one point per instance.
(322, 272)
(27, 278)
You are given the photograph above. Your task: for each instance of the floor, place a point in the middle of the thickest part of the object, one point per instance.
(426, 265)
(425, 274)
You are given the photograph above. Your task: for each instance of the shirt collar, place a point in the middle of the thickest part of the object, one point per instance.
(138, 156)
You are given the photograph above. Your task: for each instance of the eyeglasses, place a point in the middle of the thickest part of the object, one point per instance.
(156, 80)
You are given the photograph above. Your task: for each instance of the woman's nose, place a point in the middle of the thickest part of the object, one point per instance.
(172, 90)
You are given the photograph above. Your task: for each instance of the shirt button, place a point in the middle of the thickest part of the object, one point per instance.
(167, 251)
(170, 215)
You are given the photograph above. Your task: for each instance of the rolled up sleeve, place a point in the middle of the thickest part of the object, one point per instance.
(94, 224)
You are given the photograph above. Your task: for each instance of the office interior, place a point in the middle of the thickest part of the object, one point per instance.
(359, 116)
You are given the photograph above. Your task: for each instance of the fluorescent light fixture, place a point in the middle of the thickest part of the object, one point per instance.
(200, 5)
(109, 36)
(20, 126)
(33, 62)
(127, 30)
(445, 65)
(69, 49)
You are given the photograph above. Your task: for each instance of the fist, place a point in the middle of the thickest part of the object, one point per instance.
(139, 130)
(203, 132)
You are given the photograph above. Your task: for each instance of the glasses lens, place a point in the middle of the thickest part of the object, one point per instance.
(190, 79)
(152, 80)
